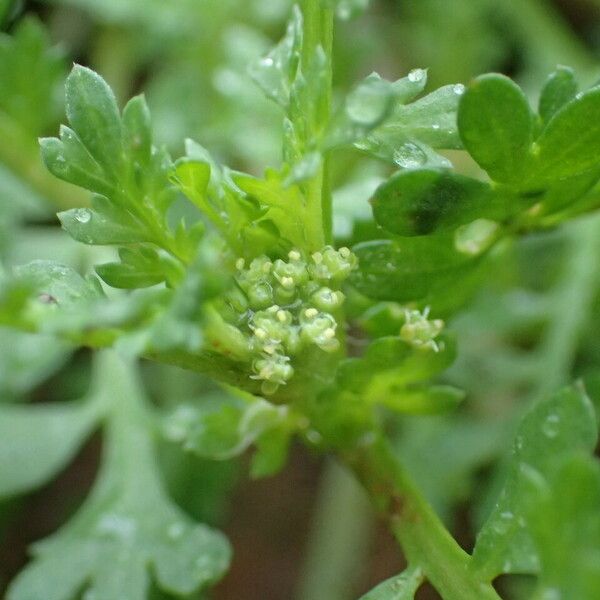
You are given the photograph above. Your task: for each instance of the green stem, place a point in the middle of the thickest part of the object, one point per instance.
(423, 537)
(318, 33)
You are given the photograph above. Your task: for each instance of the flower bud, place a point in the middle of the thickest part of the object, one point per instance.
(419, 331)
(327, 300)
(260, 295)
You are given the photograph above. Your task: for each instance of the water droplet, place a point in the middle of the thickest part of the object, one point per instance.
(267, 62)
(459, 89)
(416, 75)
(410, 156)
(176, 530)
(116, 526)
(435, 126)
(550, 426)
(83, 215)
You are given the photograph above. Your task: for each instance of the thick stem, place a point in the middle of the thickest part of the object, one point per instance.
(424, 539)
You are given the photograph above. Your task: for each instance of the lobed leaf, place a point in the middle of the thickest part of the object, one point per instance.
(36, 442)
(496, 127)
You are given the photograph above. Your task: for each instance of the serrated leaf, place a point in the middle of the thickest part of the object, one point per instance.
(425, 201)
(93, 113)
(553, 429)
(286, 208)
(496, 127)
(36, 442)
(399, 587)
(570, 143)
(560, 88)
(410, 134)
(275, 72)
(128, 527)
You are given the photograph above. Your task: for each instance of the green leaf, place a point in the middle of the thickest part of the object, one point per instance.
(560, 88)
(408, 269)
(409, 135)
(425, 201)
(553, 429)
(226, 427)
(138, 268)
(69, 160)
(104, 224)
(425, 400)
(286, 207)
(128, 528)
(496, 127)
(26, 360)
(31, 72)
(275, 73)
(57, 283)
(570, 143)
(137, 130)
(391, 373)
(365, 108)
(93, 113)
(36, 442)
(399, 587)
(562, 515)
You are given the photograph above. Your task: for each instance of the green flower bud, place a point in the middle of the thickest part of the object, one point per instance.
(273, 371)
(260, 295)
(320, 329)
(421, 332)
(295, 271)
(327, 300)
(331, 265)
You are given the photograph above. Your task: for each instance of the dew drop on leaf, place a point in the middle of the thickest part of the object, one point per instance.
(176, 530)
(116, 526)
(459, 89)
(410, 156)
(550, 426)
(416, 75)
(83, 215)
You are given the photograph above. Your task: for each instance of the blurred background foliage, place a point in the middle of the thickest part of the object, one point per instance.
(307, 533)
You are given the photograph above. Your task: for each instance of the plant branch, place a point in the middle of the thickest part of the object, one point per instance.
(423, 537)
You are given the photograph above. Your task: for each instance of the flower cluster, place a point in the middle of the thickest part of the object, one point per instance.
(286, 306)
